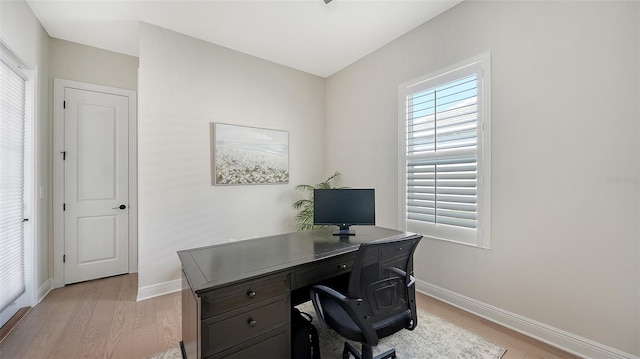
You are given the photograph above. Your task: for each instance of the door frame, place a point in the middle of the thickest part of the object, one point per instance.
(59, 86)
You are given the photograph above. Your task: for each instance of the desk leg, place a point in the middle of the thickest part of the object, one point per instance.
(190, 344)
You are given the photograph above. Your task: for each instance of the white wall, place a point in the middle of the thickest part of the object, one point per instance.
(184, 84)
(23, 34)
(566, 164)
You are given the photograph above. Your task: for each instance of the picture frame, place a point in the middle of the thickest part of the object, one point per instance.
(248, 155)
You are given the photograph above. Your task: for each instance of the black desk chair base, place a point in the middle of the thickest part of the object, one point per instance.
(367, 352)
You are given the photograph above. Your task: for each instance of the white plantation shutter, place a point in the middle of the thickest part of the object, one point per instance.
(443, 146)
(441, 154)
(12, 132)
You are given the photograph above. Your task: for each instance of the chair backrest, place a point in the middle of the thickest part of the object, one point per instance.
(381, 276)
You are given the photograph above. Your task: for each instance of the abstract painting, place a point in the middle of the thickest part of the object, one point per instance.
(248, 155)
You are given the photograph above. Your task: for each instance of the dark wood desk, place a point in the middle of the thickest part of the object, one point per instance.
(237, 297)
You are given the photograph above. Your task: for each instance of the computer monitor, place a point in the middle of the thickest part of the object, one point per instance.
(344, 208)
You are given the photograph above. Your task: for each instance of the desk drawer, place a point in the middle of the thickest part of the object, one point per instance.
(225, 331)
(269, 346)
(322, 270)
(239, 295)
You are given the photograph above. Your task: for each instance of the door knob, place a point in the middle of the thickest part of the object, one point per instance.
(122, 206)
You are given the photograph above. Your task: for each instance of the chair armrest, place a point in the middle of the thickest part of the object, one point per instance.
(352, 306)
(327, 291)
(400, 273)
(411, 285)
(318, 290)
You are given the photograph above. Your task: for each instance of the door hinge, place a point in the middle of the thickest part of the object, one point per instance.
(64, 104)
(64, 258)
(64, 155)
(64, 206)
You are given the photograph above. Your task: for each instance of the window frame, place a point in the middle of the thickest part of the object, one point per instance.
(481, 235)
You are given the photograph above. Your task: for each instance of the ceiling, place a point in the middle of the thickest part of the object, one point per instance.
(307, 35)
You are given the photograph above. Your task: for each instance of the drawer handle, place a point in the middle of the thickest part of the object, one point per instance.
(251, 294)
(342, 266)
(252, 323)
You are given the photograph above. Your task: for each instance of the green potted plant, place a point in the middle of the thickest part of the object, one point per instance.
(305, 206)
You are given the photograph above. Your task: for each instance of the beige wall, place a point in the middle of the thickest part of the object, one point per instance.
(72, 61)
(565, 88)
(54, 58)
(565, 246)
(77, 62)
(184, 84)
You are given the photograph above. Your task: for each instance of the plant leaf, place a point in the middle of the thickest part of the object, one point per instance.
(305, 215)
(304, 187)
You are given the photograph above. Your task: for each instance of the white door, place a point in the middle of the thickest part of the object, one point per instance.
(95, 185)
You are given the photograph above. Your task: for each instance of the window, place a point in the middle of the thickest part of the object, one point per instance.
(445, 153)
(13, 180)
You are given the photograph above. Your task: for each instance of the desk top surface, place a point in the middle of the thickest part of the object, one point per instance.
(219, 265)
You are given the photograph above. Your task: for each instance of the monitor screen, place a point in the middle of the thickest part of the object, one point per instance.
(344, 207)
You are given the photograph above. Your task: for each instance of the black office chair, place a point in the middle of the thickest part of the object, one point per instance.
(380, 299)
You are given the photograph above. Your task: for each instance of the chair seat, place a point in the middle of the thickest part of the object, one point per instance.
(338, 319)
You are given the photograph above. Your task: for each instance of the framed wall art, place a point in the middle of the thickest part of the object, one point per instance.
(248, 155)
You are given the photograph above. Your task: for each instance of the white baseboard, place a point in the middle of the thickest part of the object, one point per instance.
(553, 336)
(156, 290)
(43, 290)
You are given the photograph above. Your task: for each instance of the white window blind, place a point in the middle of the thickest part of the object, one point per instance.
(443, 146)
(12, 149)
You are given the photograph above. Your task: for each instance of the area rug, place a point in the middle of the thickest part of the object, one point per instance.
(434, 338)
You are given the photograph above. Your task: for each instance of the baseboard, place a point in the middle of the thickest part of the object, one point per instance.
(156, 290)
(43, 290)
(558, 338)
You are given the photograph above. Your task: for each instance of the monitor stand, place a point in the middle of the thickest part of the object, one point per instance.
(344, 230)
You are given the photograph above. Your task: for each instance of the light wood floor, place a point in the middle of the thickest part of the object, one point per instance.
(101, 319)
(518, 346)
